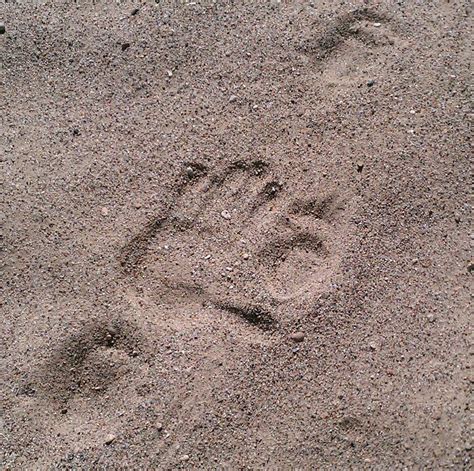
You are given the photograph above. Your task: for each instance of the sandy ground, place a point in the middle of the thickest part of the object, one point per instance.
(236, 235)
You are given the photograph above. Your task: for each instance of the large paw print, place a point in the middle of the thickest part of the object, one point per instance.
(237, 239)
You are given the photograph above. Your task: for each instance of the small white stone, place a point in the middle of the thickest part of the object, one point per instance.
(109, 439)
(225, 214)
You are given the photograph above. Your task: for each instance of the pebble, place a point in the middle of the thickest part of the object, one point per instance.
(372, 346)
(297, 336)
(360, 166)
(430, 317)
(225, 214)
(371, 83)
(245, 256)
(2, 28)
(377, 25)
(159, 426)
(104, 211)
(354, 29)
(170, 73)
(232, 98)
(112, 331)
(135, 11)
(109, 439)
(125, 46)
(190, 172)
(185, 458)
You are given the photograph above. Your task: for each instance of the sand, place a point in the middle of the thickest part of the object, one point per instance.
(236, 235)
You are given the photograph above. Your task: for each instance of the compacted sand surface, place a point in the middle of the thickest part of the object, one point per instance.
(236, 235)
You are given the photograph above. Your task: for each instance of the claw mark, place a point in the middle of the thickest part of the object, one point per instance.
(134, 252)
(252, 314)
(323, 208)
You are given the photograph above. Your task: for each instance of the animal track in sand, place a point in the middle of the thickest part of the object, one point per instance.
(237, 239)
(348, 49)
(303, 257)
(89, 362)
